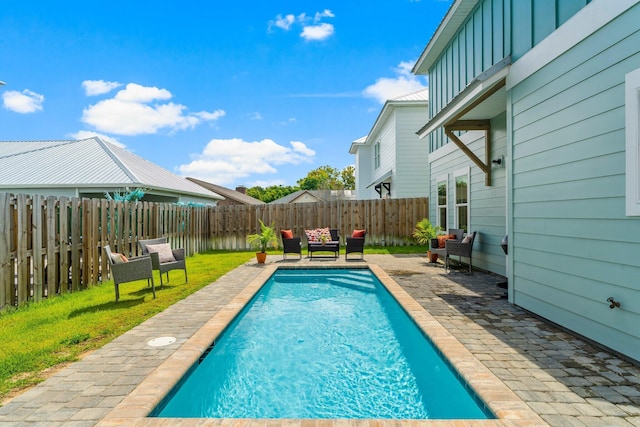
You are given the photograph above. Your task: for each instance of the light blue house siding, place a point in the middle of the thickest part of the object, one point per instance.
(573, 245)
(574, 241)
(487, 204)
(493, 31)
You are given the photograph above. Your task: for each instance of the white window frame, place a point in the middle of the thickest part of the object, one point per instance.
(632, 137)
(376, 155)
(462, 172)
(439, 180)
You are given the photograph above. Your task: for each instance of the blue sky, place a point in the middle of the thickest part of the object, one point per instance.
(235, 93)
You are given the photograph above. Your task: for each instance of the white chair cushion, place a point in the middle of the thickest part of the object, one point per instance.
(164, 252)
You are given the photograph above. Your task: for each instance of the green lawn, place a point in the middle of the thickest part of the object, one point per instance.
(43, 336)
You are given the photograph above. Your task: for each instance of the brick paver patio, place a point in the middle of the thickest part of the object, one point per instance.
(564, 379)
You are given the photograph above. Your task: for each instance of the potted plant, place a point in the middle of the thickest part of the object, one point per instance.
(324, 239)
(266, 237)
(423, 234)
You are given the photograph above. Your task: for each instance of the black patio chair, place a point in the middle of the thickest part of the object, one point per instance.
(355, 243)
(290, 244)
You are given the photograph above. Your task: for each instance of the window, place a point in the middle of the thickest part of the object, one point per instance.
(462, 199)
(442, 201)
(376, 155)
(632, 136)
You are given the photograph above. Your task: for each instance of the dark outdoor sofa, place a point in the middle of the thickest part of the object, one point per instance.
(332, 245)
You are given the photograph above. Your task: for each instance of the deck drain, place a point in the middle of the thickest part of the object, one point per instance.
(161, 341)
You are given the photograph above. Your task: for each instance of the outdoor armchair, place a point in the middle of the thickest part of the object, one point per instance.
(463, 248)
(355, 243)
(128, 270)
(291, 244)
(163, 257)
(438, 244)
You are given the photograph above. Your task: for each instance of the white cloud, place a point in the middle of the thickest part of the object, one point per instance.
(312, 28)
(138, 93)
(130, 112)
(388, 88)
(299, 147)
(224, 161)
(22, 102)
(206, 116)
(85, 134)
(98, 87)
(317, 32)
(255, 116)
(283, 22)
(324, 14)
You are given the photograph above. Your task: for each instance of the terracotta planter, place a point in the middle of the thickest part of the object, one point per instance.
(432, 257)
(261, 257)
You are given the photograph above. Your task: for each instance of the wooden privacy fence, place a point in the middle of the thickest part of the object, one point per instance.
(50, 245)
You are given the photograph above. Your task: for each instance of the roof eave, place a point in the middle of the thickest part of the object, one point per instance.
(452, 21)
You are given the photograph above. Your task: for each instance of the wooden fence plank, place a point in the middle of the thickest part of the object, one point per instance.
(52, 254)
(22, 256)
(6, 266)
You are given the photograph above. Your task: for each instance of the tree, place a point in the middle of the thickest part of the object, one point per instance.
(322, 178)
(348, 176)
(270, 193)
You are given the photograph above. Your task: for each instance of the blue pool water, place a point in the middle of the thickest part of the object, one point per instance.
(322, 344)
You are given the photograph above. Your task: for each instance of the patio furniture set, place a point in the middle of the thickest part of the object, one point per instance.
(454, 243)
(157, 254)
(323, 240)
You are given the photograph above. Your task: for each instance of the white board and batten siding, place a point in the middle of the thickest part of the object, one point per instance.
(487, 204)
(364, 169)
(411, 172)
(573, 245)
(387, 138)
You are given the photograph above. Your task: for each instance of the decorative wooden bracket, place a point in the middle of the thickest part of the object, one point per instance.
(466, 125)
(455, 124)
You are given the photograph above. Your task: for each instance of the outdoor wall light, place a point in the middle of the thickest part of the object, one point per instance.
(499, 161)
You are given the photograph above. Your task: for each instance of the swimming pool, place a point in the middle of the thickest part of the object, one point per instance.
(323, 343)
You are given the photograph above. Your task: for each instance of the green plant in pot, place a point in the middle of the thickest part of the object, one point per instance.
(266, 237)
(423, 233)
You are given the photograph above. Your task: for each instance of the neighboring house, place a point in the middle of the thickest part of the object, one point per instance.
(89, 168)
(391, 161)
(314, 196)
(540, 143)
(231, 197)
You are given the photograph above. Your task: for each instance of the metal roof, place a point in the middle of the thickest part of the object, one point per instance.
(419, 98)
(82, 163)
(419, 95)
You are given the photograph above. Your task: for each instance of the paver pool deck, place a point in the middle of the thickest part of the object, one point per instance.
(562, 378)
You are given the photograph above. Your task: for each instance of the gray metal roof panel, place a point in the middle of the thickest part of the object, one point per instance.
(88, 162)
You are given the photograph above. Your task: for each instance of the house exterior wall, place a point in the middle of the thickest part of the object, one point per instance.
(364, 170)
(493, 31)
(487, 205)
(387, 138)
(572, 245)
(411, 171)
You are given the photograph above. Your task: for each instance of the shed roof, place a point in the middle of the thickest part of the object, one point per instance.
(227, 192)
(82, 163)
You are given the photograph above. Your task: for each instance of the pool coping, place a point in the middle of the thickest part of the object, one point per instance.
(135, 408)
